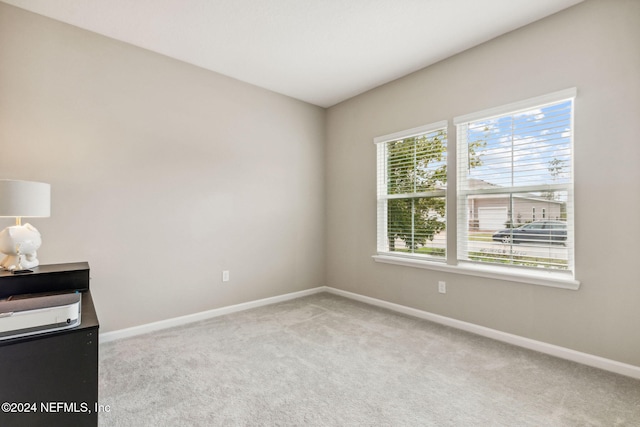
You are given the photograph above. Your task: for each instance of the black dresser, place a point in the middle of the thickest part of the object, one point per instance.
(51, 378)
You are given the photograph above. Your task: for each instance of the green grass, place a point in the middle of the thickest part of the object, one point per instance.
(525, 261)
(480, 237)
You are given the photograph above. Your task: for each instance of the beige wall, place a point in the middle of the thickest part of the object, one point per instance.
(593, 46)
(163, 174)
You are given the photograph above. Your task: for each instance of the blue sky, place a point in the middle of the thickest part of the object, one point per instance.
(524, 143)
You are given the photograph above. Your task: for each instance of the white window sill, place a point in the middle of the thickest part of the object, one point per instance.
(555, 279)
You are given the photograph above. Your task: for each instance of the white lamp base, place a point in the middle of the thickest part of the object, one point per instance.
(19, 243)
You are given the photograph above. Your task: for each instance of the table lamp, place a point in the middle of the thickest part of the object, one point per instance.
(22, 199)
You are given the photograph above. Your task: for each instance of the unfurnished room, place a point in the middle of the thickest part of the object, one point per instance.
(321, 213)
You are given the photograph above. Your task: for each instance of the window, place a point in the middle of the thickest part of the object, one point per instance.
(517, 160)
(513, 194)
(412, 177)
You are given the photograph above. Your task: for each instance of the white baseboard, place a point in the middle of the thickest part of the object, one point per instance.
(539, 346)
(542, 347)
(203, 315)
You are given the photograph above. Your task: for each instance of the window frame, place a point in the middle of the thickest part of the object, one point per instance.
(382, 192)
(539, 276)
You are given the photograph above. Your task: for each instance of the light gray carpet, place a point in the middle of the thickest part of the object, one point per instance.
(324, 360)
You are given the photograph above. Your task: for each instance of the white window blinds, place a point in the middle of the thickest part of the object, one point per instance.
(515, 184)
(412, 177)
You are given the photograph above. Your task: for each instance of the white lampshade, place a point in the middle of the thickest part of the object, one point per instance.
(24, 199)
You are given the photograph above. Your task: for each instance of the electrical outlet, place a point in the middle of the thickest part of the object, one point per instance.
(225, 275)
(442, 287)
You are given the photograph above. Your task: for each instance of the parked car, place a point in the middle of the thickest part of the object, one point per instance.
(536, 231)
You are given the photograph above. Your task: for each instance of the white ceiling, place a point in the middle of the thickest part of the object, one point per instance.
(318, 51)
